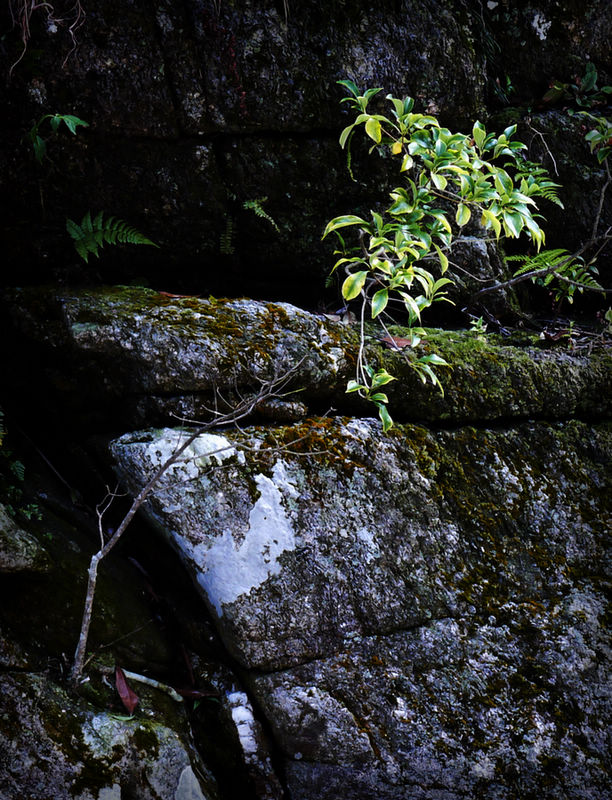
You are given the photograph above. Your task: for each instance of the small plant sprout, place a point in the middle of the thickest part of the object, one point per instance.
(39, 144)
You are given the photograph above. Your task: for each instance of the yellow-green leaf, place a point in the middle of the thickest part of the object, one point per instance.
(463, 214)
(374, 130)
(353, 285)
(379, 302)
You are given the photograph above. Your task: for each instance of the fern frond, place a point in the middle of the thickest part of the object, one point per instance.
(546, 259)
(92, 234)
(257, 207)
(558, 265)
(18, 470)
(535, 182)
(226, 240)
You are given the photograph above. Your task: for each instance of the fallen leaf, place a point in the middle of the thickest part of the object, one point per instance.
(396, 342)
(128, 697)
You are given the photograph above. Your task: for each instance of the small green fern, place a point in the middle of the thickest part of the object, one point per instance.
(257, 207)
(92, 234)
(549, 265)
(226, 239)
(534, 182)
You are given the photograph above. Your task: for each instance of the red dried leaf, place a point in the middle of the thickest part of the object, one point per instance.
(396, 342)
(129, 698)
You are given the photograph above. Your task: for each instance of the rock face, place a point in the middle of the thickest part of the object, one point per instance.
(54, 746)
(417, 614)
(132, 356)
(423, 606)
(198, 108)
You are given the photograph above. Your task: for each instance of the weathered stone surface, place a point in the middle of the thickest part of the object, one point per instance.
(195, 109)
(53, 745)
(143, 356)
(18, 549)
(455, 709)
(463, 568)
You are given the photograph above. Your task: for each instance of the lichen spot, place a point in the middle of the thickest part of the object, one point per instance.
(233, 571)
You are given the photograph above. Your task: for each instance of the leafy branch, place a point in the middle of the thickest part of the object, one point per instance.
(39, 144)
(480, 175)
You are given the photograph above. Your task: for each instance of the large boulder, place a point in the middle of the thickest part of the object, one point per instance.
(127, 357)
(421, 613)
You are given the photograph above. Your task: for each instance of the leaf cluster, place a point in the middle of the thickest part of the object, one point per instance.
(583, 91)
(402, 253)
(39, 144)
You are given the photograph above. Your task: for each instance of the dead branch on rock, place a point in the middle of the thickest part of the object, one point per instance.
(244, 408)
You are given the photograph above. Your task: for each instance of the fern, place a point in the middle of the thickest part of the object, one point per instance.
(558, 264)
(226, 240)
(534, 182)
(257, 207)
(547, 259)
(92, 234)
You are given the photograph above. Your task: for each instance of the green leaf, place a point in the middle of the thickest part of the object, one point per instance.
(345, 134)
(379, 302)
(374, 130)
(351, 86)
(354, 386)
(381, 378)
(40, 148)
(512, 223)
(411, 305)
(489, 220)
(407, 163)
(343, 222)
(439, 180)
(385, 418)
(479, 133)
(443, 259)
(353, 285)
(435, 359)
(463, 214)
(72, 122)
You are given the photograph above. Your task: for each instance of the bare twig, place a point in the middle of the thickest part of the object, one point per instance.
(244, 409)
(544, 142)
(602, 196)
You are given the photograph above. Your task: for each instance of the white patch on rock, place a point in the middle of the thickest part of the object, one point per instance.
(371, 549)
(203, 449)
(188, 786)
(228, 572)
(541, 25)
(242, 715)
(485, 768)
